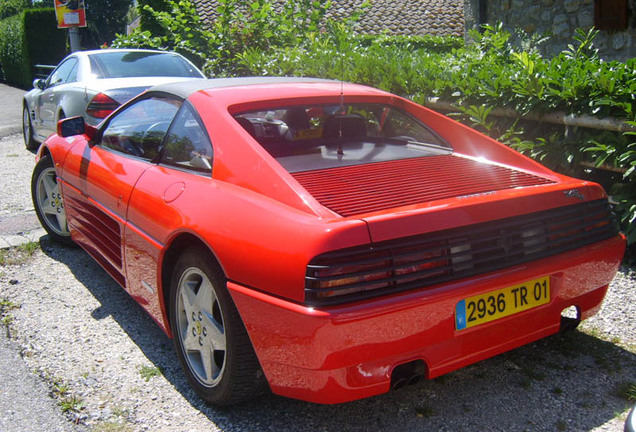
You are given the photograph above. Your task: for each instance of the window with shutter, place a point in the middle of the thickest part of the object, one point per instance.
(610, 14)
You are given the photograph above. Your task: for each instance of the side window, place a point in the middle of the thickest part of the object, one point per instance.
(61, 74)
(140, 129)
(72, 77)
(187, 145)
(399, 124)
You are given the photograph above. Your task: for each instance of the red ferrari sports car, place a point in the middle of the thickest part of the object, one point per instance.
(331, 241)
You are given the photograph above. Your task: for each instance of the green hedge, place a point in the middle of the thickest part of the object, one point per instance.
(13, 52)
(12, 7)
(47, 44)
(437, 44)
(29, 38)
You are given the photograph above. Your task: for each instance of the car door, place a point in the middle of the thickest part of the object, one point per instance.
(155, 211)
(56, 87)
(103, 177)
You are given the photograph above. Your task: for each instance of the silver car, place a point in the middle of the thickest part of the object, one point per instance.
(92, 84)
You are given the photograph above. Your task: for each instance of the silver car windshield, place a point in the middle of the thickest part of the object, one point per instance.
(310, 137)
(127, 64)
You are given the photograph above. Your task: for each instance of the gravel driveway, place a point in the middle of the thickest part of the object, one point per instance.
(111, 368)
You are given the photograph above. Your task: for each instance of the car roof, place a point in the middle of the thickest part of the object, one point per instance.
(117, 50)
(184, 89)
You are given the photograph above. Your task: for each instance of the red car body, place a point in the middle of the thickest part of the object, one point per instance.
(280, 237)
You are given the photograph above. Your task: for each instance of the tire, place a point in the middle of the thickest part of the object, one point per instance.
(48, 202)
(27, 130)
(214, 349)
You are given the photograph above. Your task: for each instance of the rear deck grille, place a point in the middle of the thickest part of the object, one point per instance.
(429, 259)
(359, 189)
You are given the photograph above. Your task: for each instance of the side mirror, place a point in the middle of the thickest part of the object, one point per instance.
(71, 126)
(39, 83)
(76, 126)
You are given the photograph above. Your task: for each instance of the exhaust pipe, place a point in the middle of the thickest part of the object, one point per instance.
(570, 319)
(407, 374)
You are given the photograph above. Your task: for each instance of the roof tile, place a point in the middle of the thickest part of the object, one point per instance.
(408, 17)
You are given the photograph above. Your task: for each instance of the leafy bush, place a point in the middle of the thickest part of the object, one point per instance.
(9, 8)
(179, 29)
(13, 52)
(239, 26)
(438, 44)
(105, 19)
(29, 38)
(45, 42)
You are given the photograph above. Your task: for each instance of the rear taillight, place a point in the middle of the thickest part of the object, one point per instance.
(101, 106)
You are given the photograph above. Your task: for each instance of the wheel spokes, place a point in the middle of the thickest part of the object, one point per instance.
(50, 201)
(201, 327)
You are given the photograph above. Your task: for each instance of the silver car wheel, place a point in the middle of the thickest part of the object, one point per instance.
(49, 201)
(26, 124)
(200, 327)
(27, 130)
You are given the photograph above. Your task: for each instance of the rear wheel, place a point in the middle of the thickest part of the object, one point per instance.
(48, 202)
(210, 338)
(27, 130)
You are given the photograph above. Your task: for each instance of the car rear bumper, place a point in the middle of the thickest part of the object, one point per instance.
(345, 353)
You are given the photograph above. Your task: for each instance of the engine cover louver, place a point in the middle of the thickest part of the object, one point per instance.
(359, 189)
(425, 260)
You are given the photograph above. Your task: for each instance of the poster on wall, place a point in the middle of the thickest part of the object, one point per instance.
(70, 13)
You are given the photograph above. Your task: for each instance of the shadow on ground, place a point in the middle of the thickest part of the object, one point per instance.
(566, 382)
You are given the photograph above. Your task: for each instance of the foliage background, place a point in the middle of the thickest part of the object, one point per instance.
(255, 38)
(31, 37)
(105, 18)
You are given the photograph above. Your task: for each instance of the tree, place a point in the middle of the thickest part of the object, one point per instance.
(149, 19)
(105, 18)
(12, 7)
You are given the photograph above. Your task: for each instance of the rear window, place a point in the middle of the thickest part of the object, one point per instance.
(310, 137)
(140, 64)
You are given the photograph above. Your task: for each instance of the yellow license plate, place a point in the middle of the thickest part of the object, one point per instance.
(493, 305)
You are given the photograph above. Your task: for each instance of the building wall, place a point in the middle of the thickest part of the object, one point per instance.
(560, 18)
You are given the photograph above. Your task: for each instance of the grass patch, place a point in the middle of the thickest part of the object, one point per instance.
(148, 372)
(526, 383)
(67, 401)
(627, 390)
(121, 412)
(61, 388)
(19, 254)
(7, 305)
(533, 374)
(71, 403)
(112, 426)
(424, 411)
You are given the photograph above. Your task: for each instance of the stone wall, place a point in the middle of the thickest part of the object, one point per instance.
(560, 18)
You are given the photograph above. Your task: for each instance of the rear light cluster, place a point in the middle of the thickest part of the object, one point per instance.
(101, 106)
(419, 261)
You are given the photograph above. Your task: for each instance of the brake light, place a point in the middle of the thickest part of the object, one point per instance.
(101, 106)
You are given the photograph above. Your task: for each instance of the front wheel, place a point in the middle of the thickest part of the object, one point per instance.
(48, 202)
(210, 339)
(27, 130)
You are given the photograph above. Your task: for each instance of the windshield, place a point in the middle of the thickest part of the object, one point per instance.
(310, 137)
(126, 64)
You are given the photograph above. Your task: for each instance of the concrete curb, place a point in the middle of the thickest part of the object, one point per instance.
(6, 131)
(18, 239)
